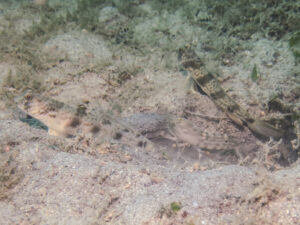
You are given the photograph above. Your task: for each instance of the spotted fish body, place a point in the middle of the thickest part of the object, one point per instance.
(67, 121)
(64, 120)
(211, 86)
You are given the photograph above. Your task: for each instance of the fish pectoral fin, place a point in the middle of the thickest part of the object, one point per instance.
(265, 129)
(237, 120)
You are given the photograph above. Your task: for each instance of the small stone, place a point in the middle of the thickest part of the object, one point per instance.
(195, 204)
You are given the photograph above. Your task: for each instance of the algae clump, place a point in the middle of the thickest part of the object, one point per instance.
(176, 206)
(294, 43)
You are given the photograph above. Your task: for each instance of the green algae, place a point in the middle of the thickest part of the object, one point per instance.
(294, 43)
(254, 73)
(175, 206)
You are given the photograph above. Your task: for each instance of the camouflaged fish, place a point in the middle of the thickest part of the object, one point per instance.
(210, 85)
(137, 129)
(60, 119)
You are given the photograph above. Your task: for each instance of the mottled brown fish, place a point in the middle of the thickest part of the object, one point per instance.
(211, 86)
(64, 120)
